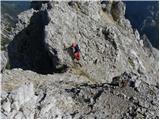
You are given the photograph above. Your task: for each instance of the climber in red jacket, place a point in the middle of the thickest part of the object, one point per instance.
(76, 51)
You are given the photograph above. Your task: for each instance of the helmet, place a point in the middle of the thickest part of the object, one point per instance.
(74, 44)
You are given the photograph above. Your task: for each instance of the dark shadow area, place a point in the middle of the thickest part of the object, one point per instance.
(27, 50)
(70, 52)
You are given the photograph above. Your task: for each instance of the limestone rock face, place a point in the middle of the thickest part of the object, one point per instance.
(118, 10)
(71, 95)
(116, 77)
(4, 60)
(101, 42)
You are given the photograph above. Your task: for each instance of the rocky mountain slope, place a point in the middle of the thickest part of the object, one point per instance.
(9, 12)
(144, 16)
(117, 76)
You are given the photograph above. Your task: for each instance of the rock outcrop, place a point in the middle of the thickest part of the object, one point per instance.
(116, 77)
(76, 96)
(9, 12)
(4, 60)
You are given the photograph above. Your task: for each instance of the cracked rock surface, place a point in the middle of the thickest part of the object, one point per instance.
(117, 76)
(74, 96)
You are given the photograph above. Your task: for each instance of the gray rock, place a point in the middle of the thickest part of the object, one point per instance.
(141, 43)
(137, 35)
(118, 10)
(23, 93)
(71, 96)
(114, 77)
(137, 83)
(6, 106)
(19, 115)
(106, 6)
(4, 60)
(3, 116)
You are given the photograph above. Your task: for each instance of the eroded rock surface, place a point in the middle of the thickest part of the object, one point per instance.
(117, 76)
(75, 96)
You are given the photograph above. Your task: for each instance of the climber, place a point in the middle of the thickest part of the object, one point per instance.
(76, 51)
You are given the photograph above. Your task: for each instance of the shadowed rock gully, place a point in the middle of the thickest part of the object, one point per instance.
(27, 50)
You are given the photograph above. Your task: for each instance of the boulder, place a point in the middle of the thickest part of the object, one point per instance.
(118, 10)
(106, 6)
(22, 94)
(6, 106)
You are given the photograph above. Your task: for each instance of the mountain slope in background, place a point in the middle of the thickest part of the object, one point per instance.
(144, 16)
(9, 12)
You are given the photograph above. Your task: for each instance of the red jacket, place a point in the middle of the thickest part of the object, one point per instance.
(76, 51)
